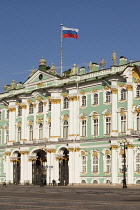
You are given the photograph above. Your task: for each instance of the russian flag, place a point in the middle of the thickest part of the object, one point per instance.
(69, 32)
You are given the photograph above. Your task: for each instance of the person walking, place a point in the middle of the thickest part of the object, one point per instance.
(58, 182)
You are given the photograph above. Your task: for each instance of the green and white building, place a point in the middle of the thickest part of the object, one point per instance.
(70, 127)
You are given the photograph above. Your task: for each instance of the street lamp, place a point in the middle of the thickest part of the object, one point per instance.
(124, 143)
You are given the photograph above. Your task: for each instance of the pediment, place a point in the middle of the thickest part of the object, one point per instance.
(132, 72)
(40, 77)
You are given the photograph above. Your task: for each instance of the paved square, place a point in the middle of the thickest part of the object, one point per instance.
(68, 198)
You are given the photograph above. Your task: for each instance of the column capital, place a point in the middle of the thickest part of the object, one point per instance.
(114, 147)
(130, 146)
(114, 90)
(129, 87)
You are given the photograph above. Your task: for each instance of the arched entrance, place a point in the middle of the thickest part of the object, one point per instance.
(63, 167)
(16, 168)
(39, 168)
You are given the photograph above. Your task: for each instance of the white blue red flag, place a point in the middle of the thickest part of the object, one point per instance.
(69, 32)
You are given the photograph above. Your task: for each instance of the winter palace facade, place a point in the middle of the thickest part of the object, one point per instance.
(79, 127)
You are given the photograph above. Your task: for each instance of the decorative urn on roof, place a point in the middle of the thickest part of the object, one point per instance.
(42, 62)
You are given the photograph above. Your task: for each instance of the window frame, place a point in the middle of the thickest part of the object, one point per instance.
(40, 107)
(40, 131)
(65, 103)
(95, 164)
(31, 108)
(65, 129)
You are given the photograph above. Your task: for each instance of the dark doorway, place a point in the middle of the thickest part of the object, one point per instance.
(64, 168)
(39, 168)
(16, 169)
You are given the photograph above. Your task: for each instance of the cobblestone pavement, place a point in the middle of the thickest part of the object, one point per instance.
(68, 198)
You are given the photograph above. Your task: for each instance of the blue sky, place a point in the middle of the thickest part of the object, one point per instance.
(30, 29)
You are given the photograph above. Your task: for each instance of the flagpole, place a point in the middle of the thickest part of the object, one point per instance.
(61, 51)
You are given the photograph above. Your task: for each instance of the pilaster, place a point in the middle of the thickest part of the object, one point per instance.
(74, 116)
(130, 162)
(114, 112)
(129, 109)
(114, 165)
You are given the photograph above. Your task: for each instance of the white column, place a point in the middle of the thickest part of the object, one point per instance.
(30, 170)
(114, 165)
(22, 171)
(35, 128)
(71, 166)
(114, 112)
(11, 171)
(130, 163)
(26, 166)
(73, 117)
(12, 121)
(55, 115)
(129, 110)
(77, 166)
(7, 171)
(45, 123)
(24, 122)
(48, 167)
(56, 169)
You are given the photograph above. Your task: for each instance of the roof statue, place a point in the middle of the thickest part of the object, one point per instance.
(102, 63)
(13, 85)
(5, 87)
(33, 71)
(74, 70)
(52, 69)
(131, 62)
(90, 66)
(114, 57)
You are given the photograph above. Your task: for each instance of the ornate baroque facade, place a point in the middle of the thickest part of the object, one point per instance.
(70, 127)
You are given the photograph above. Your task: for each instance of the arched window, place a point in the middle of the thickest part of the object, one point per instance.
(83, 128)
(65, 129)
(19, 111)
(138, 162)
(66, 103)
(30, 133)
(123, 124)
(31, 109)
(138, 91)
(123, 94)
(19, 134)
(95, 99)
(108, 125)
(95, 164)
(84, 100)
(40, 131)
(108, 163)
(108, 96)
(84, 164)
(138, 121)
(49, 106)
(40, 107)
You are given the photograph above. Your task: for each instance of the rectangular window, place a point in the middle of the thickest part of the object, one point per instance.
(108, 125)
(83, 127)
(83, 164)
(7, 135)
(123, 124)
(95, 122)
(95, 164)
